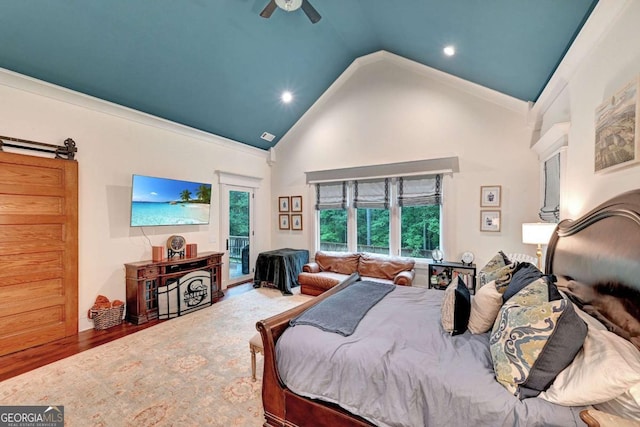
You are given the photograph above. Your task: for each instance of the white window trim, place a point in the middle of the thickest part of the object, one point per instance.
(394, 221)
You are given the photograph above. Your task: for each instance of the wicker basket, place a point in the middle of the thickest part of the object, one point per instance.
(107, 317)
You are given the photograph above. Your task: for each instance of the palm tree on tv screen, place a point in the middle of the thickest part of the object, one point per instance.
(204, 193)
(185, 195)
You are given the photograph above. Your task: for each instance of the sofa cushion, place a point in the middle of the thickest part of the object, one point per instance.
(324, 280)
(383, 266)
(337, 262)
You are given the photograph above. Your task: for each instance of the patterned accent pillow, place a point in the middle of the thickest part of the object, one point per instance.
(456, 306)
(524, 274)
(488, 272)
(532, 344)
(504, 275)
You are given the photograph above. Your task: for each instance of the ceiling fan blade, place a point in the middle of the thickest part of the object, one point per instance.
(311, 13)
(268, 10)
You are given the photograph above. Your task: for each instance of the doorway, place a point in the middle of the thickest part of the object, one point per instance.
(237, 234)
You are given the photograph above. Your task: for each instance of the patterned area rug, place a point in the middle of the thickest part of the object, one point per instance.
(190, 371)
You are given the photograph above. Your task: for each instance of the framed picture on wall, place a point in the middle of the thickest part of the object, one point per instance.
(490, 196)
(284, 222)
(296, 221)
(283, 204)
(618, 130)
(489, 220)
(296, 203)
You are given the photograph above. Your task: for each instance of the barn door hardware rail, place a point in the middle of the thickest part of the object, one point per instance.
(68, 151)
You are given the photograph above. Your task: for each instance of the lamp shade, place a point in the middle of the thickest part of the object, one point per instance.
(537, 232)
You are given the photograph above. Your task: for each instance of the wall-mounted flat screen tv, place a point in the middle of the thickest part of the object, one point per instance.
(163, 201)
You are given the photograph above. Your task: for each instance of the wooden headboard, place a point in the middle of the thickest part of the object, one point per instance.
(597, 262)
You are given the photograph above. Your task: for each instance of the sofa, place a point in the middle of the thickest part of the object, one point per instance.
(331, 268)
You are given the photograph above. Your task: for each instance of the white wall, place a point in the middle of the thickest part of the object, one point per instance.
(110, 150)
(611, 62)
(386, 109)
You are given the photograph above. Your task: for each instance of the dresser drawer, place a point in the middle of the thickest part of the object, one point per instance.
(148, 273)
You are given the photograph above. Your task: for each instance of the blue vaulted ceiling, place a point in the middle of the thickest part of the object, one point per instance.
(217, 66)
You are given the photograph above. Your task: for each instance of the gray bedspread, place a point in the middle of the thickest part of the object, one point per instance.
(400, 368)
(342, 312)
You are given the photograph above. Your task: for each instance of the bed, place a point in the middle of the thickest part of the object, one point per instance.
(449, 380)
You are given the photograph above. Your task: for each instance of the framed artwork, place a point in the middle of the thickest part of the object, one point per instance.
(616, 142)
(489, 220)
(490, 196)
(284, 222)
(283, 204)
(296, 203)
(296, 221)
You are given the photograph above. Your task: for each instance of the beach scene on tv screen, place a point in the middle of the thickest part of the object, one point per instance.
(162, 201)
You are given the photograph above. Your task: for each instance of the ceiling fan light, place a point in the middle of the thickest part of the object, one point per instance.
(289, 5)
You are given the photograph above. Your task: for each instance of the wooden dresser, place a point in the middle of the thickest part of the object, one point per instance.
(144, 278)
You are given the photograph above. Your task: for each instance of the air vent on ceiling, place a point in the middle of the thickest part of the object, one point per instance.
(267, 136)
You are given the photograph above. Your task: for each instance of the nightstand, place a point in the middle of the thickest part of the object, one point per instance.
(441, 273)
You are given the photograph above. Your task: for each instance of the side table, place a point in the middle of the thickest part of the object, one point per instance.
(280, 268)
(441, 273)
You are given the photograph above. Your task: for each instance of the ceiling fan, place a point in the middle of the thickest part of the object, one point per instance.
(290, 6)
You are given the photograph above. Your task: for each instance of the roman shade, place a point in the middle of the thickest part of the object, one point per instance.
(372, 194)
(331, 195)
(420, 190)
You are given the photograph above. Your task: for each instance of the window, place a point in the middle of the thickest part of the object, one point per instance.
(371, 201)
(420, 200)
(420, 230)
(333, 230)
(550, 211)
(331, 204)
(373, 230)
(399, 216)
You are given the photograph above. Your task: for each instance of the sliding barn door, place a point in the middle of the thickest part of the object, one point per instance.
(38, 250)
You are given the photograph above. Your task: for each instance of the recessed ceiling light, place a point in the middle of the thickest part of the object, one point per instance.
(287, 97)
(449, 50)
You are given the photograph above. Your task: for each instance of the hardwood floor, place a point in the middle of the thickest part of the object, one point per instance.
(27, 360)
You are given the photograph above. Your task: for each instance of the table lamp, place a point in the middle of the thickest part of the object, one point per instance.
(538, 233)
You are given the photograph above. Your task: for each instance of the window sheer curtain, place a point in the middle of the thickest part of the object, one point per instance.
(420, 190)
(550, 212)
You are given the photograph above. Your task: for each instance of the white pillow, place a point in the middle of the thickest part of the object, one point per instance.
(485, 306)
(605, 368)
(626, 405)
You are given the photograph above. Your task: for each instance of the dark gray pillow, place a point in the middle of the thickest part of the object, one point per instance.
(524, 274)
(456, 307)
